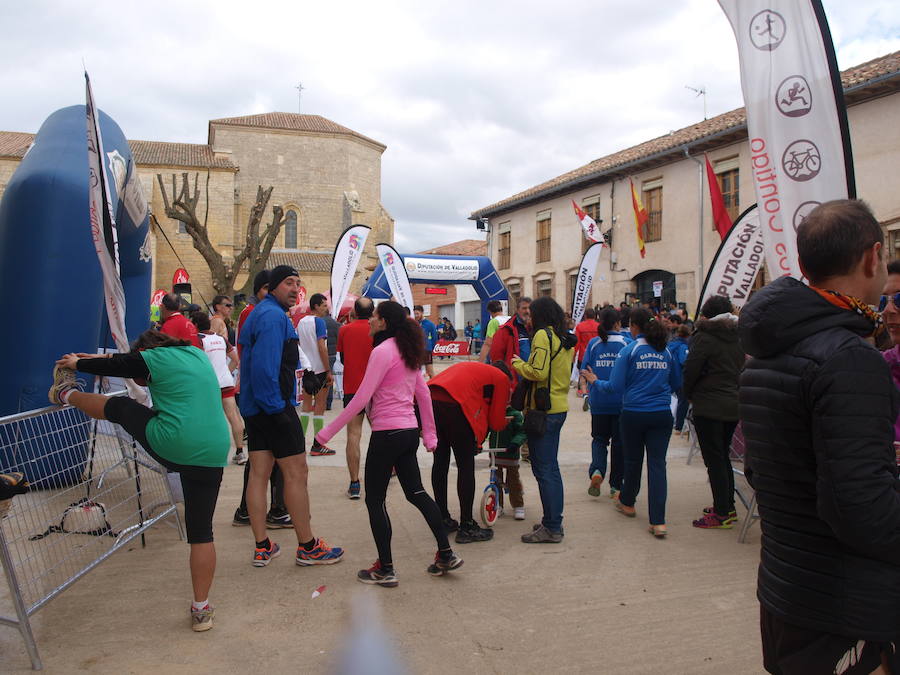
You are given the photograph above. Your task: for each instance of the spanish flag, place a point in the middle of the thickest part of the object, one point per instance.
(640, 218)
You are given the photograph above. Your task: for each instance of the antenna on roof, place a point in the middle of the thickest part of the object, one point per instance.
(299, 89)
(701, 91)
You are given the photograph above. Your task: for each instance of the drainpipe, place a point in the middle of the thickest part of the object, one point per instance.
(700, 168)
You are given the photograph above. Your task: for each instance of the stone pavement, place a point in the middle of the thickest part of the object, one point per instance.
(609, 599)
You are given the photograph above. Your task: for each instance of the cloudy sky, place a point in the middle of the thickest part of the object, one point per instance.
(475, 100)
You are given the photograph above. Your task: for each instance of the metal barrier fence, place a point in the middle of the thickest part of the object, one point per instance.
(92, 490)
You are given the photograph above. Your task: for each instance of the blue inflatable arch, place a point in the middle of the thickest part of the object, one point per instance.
(476, 271)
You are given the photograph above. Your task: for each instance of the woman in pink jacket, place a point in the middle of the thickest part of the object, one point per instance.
(393, 380)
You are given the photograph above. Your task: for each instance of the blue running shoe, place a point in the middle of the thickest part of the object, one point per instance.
(320, 554)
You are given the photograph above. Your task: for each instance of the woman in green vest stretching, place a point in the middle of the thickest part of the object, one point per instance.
(185, 431)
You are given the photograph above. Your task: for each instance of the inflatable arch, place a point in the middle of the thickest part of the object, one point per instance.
(477, 271)
(52, 284)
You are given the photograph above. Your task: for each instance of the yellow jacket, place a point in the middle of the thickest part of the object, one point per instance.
(537, 368)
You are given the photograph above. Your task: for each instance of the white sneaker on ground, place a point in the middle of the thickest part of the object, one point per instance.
(520, 513)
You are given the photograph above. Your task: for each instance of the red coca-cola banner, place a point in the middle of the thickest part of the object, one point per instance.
(451, 348)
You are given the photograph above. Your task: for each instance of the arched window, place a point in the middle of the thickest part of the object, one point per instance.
(290, 229)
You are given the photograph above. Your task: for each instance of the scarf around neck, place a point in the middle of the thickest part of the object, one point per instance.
(855, 305)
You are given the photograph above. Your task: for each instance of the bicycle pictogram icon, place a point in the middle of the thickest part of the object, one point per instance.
(767, 30)
(802, 160)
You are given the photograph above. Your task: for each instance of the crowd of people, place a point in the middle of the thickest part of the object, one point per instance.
(817, 405)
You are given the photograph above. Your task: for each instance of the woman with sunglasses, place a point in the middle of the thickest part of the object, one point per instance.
(220, 318)
(393, 383)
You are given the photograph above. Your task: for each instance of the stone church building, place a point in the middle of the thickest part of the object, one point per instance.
(325, 176)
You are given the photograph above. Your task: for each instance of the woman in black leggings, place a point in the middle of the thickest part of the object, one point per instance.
(392, 382)
(186, 431)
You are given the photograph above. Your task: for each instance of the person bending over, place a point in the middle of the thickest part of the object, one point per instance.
(186, 431)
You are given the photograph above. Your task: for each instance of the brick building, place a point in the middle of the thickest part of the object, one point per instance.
(325, 176)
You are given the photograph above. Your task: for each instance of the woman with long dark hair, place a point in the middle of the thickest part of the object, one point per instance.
(185, 431)
(393, 381)
(599, 357)
(645, 375)
(549, 366)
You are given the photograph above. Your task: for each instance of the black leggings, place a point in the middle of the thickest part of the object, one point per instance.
(200, 484)
(715, 446)
(387, 450)
(453, 432)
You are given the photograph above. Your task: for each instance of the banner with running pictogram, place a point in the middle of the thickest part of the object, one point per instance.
(347, 253)
(395, 273)
(797, 121)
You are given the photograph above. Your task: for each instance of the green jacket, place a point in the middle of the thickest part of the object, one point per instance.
(512, 436)
(538, 367)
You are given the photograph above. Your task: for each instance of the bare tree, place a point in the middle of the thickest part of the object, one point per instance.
(257, 245)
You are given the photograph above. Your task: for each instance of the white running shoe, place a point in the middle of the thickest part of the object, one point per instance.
(520, 513)
(64, 382)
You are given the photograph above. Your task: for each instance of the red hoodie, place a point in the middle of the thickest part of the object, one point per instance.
(465, 384)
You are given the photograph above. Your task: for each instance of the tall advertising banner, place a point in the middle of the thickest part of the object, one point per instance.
(103, 226)
(585, 280)
(105, 235)
(395, 273)
(738, 260)
(347, 253)
(797, 122)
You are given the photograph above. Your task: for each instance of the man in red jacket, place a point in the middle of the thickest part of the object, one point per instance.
(513, 338)
(468, 398)
(354, 344)
(174, 323)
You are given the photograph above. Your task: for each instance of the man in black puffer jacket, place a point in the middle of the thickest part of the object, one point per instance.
(818, 406)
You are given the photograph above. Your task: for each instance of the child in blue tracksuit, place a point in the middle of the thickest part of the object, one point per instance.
(599, 357)
(645, 374)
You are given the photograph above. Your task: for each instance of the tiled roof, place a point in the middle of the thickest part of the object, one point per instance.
(303, 261)
(14, 143)
(719, 130)
(146, 153)
(292, 122)
(159, 153)
(464, 247)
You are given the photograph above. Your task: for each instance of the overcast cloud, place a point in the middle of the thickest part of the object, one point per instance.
(475, 100)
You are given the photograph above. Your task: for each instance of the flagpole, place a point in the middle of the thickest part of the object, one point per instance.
(700, 171)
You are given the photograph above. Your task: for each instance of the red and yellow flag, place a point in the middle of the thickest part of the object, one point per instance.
(640, 218)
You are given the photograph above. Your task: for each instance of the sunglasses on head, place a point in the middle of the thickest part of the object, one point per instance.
(895, 298)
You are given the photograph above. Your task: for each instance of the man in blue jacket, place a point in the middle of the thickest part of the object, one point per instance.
(269, 361)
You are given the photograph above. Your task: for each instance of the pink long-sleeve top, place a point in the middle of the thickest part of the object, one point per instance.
(387, 393)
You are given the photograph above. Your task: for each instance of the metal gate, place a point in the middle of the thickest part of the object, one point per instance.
(92, 490)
